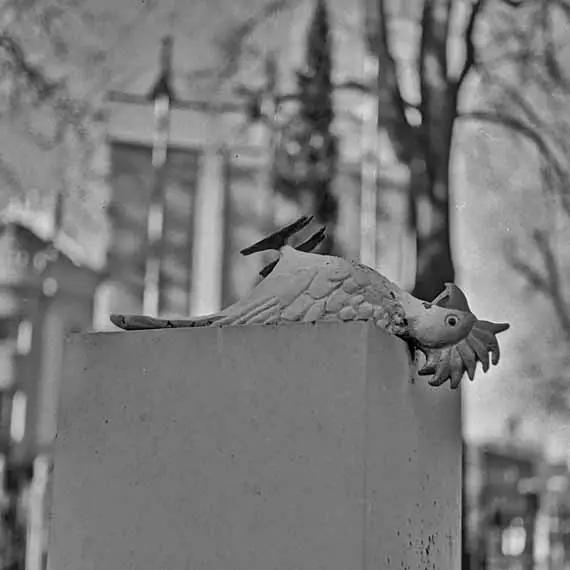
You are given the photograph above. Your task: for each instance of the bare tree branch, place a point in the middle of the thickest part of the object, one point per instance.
(563, 5)
(534, 136)
(231, 43)
(551, 63)
(470, 51)
(548, 281)
(515, 3)
(433, 44)
(43, 87)
(69, 111)
(438, 104)
(357, 85)
(391, 107)
(518, 103)
(9, 177)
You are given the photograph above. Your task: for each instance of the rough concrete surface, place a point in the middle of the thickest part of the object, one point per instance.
(257, 448)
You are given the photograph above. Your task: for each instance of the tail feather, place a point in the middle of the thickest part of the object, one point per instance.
(142, 322)
(306, 246)
(313, 241)
(278, 239)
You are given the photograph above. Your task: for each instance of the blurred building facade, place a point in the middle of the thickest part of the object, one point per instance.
(218, 197)
(516, 512)
(131, 180)
(46, 293)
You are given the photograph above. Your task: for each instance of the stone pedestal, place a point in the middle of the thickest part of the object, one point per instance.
(302, 447)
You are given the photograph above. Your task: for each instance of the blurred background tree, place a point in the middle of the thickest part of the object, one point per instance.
(523, 85)
(306, 153)
(456, 40)
(57, 58)
(483, 86)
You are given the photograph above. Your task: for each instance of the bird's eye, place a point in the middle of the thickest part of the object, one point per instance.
(451, 320)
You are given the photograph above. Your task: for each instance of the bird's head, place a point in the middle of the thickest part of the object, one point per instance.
(436, 327)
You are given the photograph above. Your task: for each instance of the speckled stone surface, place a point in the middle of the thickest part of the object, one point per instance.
(303, 447)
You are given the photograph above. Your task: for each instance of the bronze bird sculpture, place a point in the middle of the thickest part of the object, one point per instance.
(301, 286)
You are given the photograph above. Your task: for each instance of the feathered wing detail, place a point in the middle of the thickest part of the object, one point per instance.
(450, 363)
(271, 298)
(258, 310)
(298, 287)
(301, 288)
(263, 311)
(308, 288)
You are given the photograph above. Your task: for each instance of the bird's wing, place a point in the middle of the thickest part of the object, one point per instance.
(305, 287)
(257, 310)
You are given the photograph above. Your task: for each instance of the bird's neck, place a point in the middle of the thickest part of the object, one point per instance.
(412, 305)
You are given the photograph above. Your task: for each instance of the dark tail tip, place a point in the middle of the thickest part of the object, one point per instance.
(306, 246)
(313, 241)
(278, 239)
(118, 321)
(265, 271)
(138, 322)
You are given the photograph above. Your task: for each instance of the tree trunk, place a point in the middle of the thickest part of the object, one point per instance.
(431, 217)
(439, 109)
(425, 148)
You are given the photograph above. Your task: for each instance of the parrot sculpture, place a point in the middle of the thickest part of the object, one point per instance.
(301, 286)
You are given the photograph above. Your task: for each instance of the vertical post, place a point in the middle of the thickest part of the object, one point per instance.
(369, 182)
(36, 530)
(162, 96)
(270, 100)
(208, 250)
